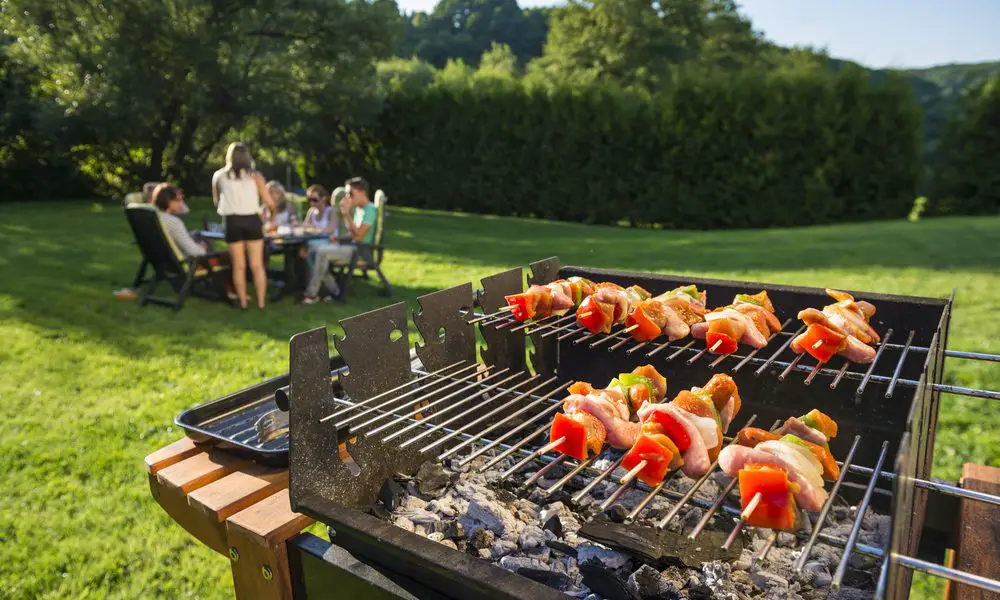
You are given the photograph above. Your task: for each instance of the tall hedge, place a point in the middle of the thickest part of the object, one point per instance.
(751, 150)
(967, 177)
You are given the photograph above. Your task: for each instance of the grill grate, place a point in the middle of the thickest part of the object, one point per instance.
(790, 365)
(404, 429)
(499, 410)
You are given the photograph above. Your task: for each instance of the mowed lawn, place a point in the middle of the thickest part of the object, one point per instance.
(89, 385)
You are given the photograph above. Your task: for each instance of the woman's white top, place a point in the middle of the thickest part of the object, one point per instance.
(237, 196)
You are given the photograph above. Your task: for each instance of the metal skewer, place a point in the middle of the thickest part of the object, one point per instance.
(804, 556)
(496, 410)
(430, 405)
(871, 368)
(899, 365)
(768, 362)
(445, 387)
(527, 459)
(554, 407)
(395, 389)
(474, 409)
(446, 409)
(852, 539)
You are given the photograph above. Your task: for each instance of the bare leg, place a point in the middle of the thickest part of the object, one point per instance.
(255, 253)
(238, 257)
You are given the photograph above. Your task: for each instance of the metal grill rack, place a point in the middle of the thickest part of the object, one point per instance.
(529, 399)
(393, 410)
(566, 328)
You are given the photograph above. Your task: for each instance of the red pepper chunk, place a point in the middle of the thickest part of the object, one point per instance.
(595, 316)
(727, 345)
(524, 305)
(822, 343)
(656, 455)
(776, 509)
(674, 430)
(647, 329)
(581, 430)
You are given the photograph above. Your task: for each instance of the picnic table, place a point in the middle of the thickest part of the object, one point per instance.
(294, 274)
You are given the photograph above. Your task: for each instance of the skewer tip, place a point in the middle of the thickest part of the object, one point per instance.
(630, 328)
(635, 471)
(715, 345)
(751, 506)
(817, 344)
(509, 307)
(584, 314)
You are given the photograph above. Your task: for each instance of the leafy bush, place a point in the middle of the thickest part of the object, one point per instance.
(755, 149)
(967, 180)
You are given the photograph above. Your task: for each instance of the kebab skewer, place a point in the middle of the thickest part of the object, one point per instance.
(685, 433)
(671, 313)
(592, 417)
(552, 299)
(748, 320)
(608, 306)
(781, 471)
(840, 328)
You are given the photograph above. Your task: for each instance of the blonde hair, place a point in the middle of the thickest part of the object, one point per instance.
(239, 161)
(274, 184)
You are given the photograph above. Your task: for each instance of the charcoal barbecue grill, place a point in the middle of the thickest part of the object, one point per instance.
(387, 409)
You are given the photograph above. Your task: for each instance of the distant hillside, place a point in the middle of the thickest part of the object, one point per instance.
(937, 90)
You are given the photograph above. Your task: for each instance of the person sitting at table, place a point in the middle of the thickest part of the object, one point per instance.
(359, 217)
(320, 216)
(169, 201)
(284, 212)
(147, 191)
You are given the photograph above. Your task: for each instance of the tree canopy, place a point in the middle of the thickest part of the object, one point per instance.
(148, 89)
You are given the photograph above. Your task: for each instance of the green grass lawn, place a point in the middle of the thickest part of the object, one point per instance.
(89, 385)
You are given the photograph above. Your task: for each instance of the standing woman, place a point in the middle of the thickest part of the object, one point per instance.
(238, 189)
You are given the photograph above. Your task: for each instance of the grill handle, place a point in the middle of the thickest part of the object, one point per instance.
(281, 398)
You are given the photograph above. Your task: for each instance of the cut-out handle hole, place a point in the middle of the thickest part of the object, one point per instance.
(395, 335)
(349, 461)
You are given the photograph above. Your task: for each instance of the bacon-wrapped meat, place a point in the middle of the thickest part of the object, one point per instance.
(749, 320)
(556, 298)
(840, 328)
(608, 305)
(782, 469)
(671, 314)
(684, 433)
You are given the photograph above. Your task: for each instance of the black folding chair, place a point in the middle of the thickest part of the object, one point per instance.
(367, 257)
(186, 276)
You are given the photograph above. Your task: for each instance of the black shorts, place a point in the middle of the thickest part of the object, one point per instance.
(244, 228)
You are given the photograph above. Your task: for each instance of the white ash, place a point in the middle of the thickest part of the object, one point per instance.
(509, 531)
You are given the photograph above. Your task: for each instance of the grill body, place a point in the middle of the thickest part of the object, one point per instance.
(335, 472)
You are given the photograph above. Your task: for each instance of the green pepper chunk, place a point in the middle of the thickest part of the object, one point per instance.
(690, 290)
(629, 379)
(748, 299)
(794, 439)
(707, 399)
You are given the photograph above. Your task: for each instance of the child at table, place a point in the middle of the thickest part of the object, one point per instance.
(284, 213)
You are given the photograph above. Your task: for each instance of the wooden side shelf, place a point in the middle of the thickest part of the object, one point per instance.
(236, 507)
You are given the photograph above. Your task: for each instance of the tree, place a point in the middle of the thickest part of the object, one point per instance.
(641, 42)
(967, 180)
(465, 29)
(150, 89)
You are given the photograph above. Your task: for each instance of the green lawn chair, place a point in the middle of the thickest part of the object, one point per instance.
(185, 275)
(367, 257)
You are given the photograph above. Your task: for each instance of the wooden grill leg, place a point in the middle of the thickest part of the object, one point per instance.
(258, 551)
(978, 533)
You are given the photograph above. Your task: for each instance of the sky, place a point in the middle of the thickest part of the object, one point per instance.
(876, 33)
